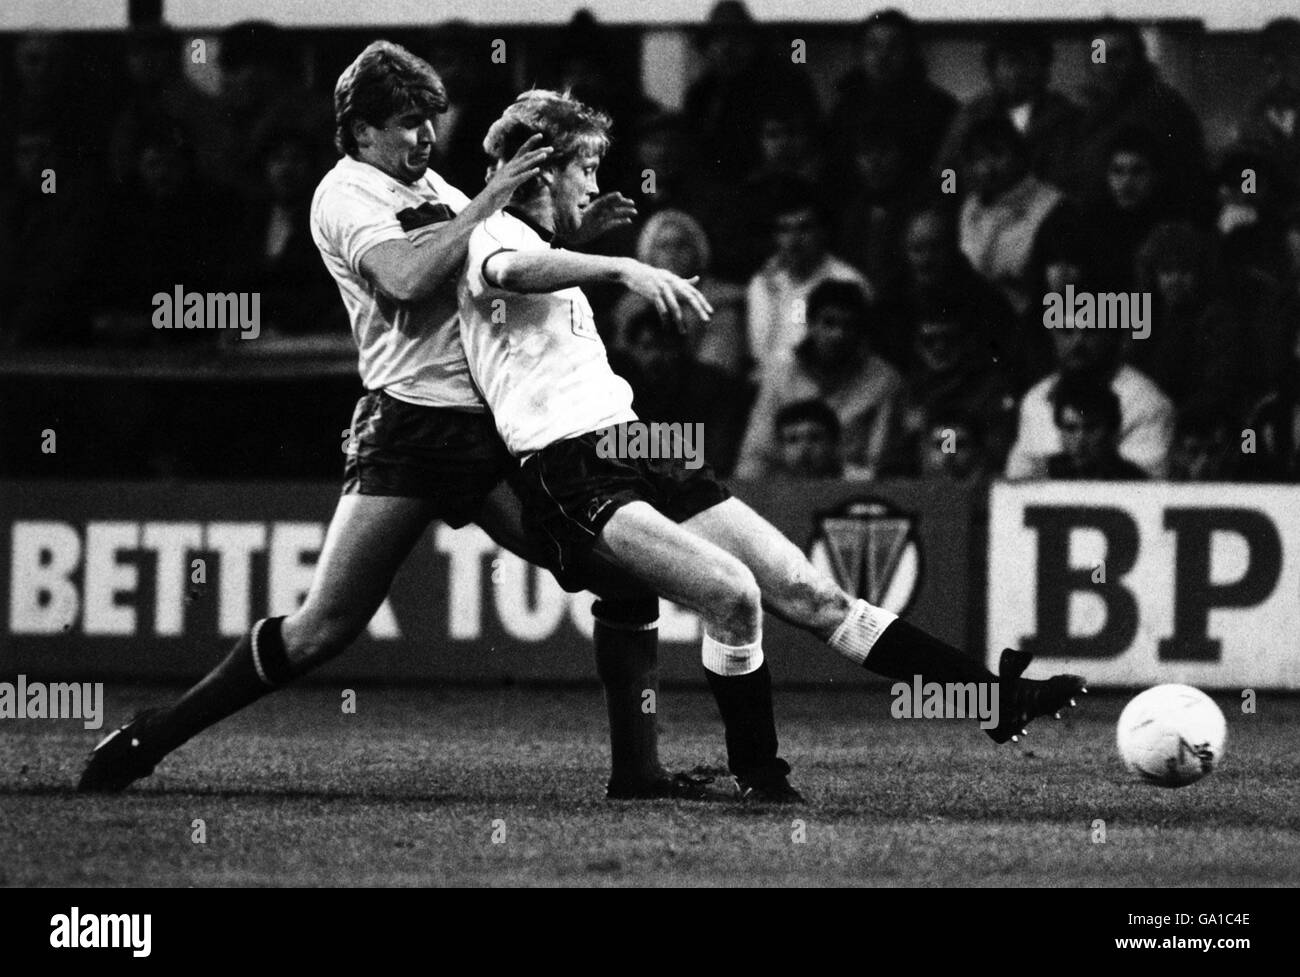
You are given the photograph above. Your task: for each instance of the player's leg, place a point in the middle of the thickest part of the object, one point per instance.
(870, 636)
(626, 639)
(693, 572)
(367, 541)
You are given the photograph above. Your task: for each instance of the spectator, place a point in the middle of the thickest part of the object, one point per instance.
(834, 364)
(1130, 207)
(808, 440)
(1251, 218)
(261, 92)
(169, 229)
(476, 96)
(1008, 213)
(1093, 355)
(892, 86)
(1207, 447)
(274, 252)
(871, 224)
(675, 241)
(937, 275)
(591, 68)
(669, 385)
(1204, 346)
(42, 87)
(952, 449)
(952, 376)
(1088, 419)
(159, 96)
(1273, 119)
(1271, 438)
(46, 243)
(1018, 66)
(1124, 91)
(741, 81)
(800, 262)
(668, 177)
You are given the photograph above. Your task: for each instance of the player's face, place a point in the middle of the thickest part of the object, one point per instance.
(929, 250)
(1131, 180)
(401, 147)
(573, 189)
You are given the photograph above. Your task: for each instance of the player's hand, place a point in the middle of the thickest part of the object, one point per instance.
(508, 177)
(669, 293)
(606, 212)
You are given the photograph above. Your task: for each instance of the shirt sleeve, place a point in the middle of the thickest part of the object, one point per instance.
(352, 219)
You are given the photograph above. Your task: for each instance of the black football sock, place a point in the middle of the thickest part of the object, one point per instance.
(903, 651)
(256, 665)
(627, 660)
(745, 702)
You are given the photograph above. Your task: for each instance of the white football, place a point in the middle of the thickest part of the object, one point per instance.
(1171, 735)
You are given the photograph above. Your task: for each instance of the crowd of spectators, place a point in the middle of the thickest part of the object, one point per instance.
(878, 262)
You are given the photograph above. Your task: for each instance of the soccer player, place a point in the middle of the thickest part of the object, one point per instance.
(534, 352)
(423, 447)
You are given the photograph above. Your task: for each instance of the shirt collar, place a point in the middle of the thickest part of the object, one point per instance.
(520, 215)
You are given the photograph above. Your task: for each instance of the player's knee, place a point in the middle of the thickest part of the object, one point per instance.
(737, 604)
(816, 595)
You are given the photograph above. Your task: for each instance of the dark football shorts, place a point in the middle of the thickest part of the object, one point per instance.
(569, 492)
(452, 457)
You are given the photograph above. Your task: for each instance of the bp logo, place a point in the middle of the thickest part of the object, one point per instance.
(871, 549)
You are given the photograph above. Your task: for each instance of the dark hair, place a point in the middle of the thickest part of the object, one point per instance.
(1018, 39)
(1138, 141)
(1089, 398)
(844, 295)
(803, 411)
(255, 42)
(796, 195)
(953, 417)
(1204, 420)
(648, 321)
(991, 134)
(1125, 28)
(384, 80)
(1280, 38)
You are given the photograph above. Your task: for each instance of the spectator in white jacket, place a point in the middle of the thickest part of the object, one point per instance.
(837, 366)
(1146, 414)
(778, 292)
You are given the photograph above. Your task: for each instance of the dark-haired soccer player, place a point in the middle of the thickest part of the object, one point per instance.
(423, 447)
(534, 352)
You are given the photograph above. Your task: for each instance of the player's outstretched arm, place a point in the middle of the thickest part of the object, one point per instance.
(555, 268)
(406, 271)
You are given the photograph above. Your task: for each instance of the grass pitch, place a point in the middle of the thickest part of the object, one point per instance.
(426, 787)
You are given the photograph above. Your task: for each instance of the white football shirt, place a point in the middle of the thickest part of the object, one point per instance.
(537, 358)
(410, 349)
